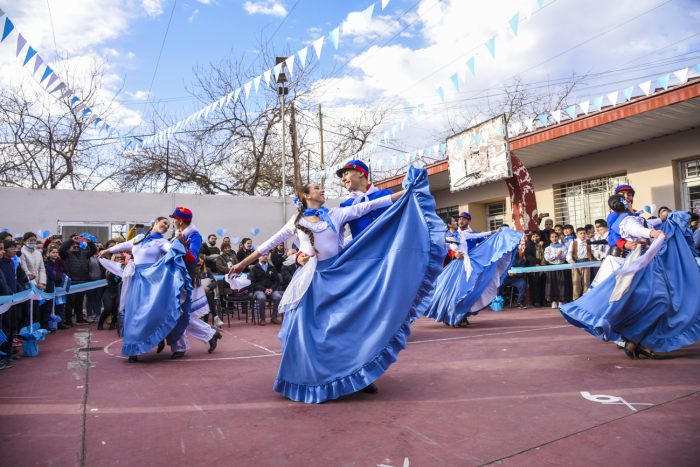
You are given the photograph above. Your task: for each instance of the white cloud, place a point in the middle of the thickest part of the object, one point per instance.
(137, 95)
(153, 7)
(193, 16)
(357, 27)
(206, 2)
(265, 7)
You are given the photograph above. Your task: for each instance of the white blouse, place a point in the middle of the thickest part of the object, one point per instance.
(144, 253)
(466, 235)
(632, 228)
(555, 253)
(327, 241)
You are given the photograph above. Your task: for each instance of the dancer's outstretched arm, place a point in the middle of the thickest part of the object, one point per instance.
(285, 233)
(349, 213)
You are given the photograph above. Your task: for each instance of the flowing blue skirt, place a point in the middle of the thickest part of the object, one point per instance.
(354, 318)
(456, 296)
(153, 306)
(661, 309)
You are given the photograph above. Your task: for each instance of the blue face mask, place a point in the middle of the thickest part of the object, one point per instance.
(31, 246)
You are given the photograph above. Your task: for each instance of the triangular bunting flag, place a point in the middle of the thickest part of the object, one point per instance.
(86, 112)
(571, 111)
(367, 13)
(663, 80)
(97, 121)
(514, 22)
(420, 153)
(302, 56)
(436, 149)
(491, 46)
(697, 68)
(21, 42)
(46, 74)
(256, 82)
(477, 139)
(530, 124)
(266, 77)
(393, 161)
(66, 92)
(236, 93)
(277, 70)
(2, 13)
(681, 75)
(645, 87)
(385, 3)
(229, 96)
(79, 107)
(543, 119)
(290, 65)
(598, 103)
(441, 94)
(471, 65)
(58, 88)
(7, 29)
(334, 37)
(556, 115)
(443, 148)
(37, 63)
(627, 92)
(540, 3)
(52, 80)
(318, 45)
(455, 80)
(30, 53)
(585, 105)
(612, 97)
(73, 101)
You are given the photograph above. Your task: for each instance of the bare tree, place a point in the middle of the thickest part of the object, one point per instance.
(43, 142)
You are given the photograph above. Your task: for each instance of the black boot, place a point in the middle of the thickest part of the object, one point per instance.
(133, 358)
(177, 355)
(161, 346)
(213, 341)
(371, 389)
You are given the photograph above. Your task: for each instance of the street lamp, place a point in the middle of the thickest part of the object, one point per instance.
(283, 90)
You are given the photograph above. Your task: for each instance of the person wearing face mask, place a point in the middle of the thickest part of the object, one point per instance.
(54, 278)
(33, 265)
(152, 284)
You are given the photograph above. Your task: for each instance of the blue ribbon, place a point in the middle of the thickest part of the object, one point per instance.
(322, 213)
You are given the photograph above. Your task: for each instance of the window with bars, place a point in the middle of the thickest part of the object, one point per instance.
(495, 214)
(450, 211)
(691, 184)
(582, 202)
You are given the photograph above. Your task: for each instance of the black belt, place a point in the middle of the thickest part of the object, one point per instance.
(615, 251)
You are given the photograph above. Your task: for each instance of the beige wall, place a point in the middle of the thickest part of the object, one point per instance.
(34, 210)
(651, 167)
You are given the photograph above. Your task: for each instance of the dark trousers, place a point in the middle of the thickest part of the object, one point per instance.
(110, 303)
(7, 321)
(74, 305)
(519, 283)
(44, 314)
(94, 302)
(536, 282)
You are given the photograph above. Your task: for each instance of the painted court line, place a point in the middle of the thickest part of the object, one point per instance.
(442, 339)
(107, 351)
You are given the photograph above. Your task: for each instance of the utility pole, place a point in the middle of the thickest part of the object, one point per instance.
(167, 165)
(282, 91)
(295, 146)
(320, 129)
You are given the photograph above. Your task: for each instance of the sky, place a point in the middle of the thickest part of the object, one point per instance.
(398, 60)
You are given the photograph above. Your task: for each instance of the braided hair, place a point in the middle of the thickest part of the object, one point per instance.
(304, 190)
(158, 219)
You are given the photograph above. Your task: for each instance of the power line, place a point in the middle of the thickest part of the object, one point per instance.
(160, 53)
(53, 31)
(284, 19)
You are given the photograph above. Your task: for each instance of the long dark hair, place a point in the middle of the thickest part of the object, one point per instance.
(243, 242)
(304, 190)
(158, 219)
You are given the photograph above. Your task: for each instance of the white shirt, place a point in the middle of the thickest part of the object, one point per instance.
(581, 251)
(327, 241)
(601, 251)
(555, 253)
(468, 234)
(144, 253)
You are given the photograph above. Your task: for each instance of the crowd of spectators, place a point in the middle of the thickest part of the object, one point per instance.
(58, 262)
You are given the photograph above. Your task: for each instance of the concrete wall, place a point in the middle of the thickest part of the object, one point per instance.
(651, 167)
(34, 210)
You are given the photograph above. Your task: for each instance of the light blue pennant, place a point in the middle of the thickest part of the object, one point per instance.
(334, 36)
(7, 29)
(543, 119)
(663, 80)
(514, 23)
(598, 102)
(627, 92)
(571, 111)
(491, 46)
(441, 94)
(471, 65)
(455, 80)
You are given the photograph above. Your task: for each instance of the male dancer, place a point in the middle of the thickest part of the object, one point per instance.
(189, 236)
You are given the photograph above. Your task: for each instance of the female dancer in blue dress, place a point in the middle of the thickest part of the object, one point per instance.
(653, 301)
(471, 282)
(153, 284)
(348, 309)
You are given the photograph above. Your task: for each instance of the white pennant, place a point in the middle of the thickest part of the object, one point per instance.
(229, 96)
(612, 97)
(530, 124)
(681, 75)
(385, 3)
(290, 65)
(557, 116)
(585, 105)
(256, 83)
(318, 46)
(246, 87)
(645, 87)
(302, 56)
(266, 76)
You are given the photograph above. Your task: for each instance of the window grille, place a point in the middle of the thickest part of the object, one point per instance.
(582, 202)
(495, 214)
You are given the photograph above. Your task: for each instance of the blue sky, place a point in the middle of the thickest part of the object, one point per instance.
(418, 45)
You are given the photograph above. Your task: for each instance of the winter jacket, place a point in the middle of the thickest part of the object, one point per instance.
(33, 263)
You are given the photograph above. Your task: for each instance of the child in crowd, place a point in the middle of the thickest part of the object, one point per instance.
(558, 286)
(55, 275)
(579, 251)
(534, 254)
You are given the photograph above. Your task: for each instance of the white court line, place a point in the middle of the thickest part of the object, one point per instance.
(106, 350)
(258, 346)
(486, 335)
